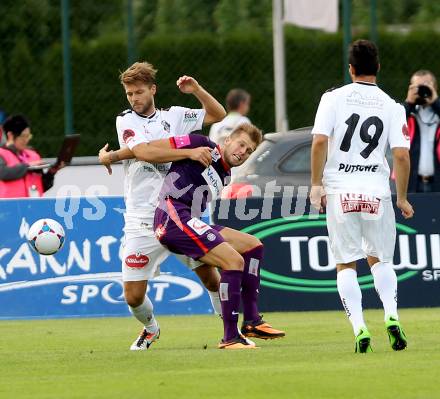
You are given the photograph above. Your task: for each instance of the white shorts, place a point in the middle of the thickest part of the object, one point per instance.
(142, 253)
(360, 226)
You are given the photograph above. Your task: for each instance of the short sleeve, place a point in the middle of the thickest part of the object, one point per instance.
(191, 141)
(325, 116)
(399, 134)
(129, 134)
(187, 120)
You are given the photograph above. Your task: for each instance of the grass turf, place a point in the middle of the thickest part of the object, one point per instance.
(89, 358)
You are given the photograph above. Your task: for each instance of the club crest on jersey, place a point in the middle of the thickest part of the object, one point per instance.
(215, 154)
(127, 135)
(137, 260)
(355, 203)
(405, 131)
(166, 126)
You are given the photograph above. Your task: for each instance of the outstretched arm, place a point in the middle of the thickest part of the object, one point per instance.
(158, 151)
(214, 110)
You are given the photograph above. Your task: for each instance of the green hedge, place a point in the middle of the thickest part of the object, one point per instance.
(32, 82)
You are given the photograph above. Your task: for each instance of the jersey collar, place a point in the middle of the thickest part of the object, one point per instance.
(365, 83)
(224, 164)
(151, 116)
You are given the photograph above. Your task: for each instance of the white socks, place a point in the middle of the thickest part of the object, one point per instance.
(385, 282)
(215, 301)
(351, 297)
(144, 313)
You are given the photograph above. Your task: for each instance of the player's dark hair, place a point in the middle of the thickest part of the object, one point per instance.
(15, 124)
(255, 134)
(424, 72)
(235, 97)
(364, 57)
(139, 72)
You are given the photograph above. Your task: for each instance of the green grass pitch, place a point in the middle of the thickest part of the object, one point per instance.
(89, 358)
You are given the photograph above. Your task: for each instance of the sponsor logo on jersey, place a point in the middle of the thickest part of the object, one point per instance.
(359, 203)
(157, 167)
(127, 135)
(214, 181)
(347, 168)
(198, 226)
(190, 116)
(356, 98)
(405, 131)
(137, 261)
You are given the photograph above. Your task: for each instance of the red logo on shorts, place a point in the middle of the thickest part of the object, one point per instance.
(405, 131)
(137, 261)
(359, 203)
(127, 135)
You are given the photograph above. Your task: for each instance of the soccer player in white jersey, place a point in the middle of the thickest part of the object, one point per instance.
(136, 127)
(354, 125)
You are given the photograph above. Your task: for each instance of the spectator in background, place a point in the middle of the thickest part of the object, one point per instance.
(422, 107)
(2, 135)
(19, 174)
(238, 102)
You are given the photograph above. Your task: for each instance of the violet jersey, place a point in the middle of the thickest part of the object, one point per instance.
(143, 180)
(361, 121)
(189, 182)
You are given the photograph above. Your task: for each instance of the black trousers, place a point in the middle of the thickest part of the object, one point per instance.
(425, 185)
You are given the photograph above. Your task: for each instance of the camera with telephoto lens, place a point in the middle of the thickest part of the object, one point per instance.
(423, 93)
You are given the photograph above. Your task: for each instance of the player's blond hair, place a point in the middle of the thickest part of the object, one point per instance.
(255, 134)
(139, 72)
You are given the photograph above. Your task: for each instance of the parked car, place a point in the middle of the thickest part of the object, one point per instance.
(282, 160)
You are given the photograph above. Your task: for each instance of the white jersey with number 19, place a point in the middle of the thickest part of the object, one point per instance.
(360, 120)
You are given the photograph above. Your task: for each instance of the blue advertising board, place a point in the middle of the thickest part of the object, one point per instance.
(84, 277)
(299, 272)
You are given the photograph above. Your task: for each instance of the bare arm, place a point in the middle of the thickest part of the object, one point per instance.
(319, 156)
(318, 159)
(401, 163)
(214, 110)
(158, 151)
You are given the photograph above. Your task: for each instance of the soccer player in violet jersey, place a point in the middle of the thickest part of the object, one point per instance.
(186, 190)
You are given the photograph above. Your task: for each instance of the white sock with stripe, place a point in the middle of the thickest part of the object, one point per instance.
(351, 297)
(385, 282)
(215, 301)
(144, 313)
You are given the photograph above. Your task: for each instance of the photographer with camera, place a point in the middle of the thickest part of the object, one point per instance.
(422, 106)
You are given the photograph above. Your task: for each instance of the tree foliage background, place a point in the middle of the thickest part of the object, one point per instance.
(223, 43)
